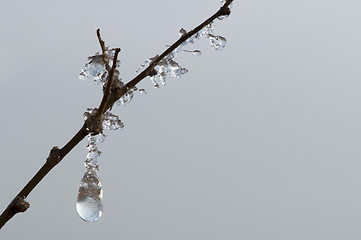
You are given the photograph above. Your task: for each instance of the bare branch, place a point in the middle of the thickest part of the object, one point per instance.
(110, 95)
(55, 156)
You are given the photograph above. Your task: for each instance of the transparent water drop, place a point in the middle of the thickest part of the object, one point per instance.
(89, 204)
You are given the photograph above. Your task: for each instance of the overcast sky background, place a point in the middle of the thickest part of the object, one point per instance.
(258, 141)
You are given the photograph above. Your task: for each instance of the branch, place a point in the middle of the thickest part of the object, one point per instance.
(56, 155)
(110, 96)
(149, 71)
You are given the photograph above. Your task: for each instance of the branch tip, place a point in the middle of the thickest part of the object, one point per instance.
(54, 156)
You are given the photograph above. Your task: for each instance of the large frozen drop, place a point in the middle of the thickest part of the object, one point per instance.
(89, 204)
(217, 42)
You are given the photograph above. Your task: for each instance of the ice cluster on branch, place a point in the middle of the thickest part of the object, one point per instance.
(110, 122)
(89, 203)
(90, 194)
(96, 69)
(169, 67)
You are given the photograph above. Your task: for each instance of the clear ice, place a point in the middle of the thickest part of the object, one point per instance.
(217, 42)
(111, 122)
(89, 204)
(196, 53)
(168, 66)
(95, 68)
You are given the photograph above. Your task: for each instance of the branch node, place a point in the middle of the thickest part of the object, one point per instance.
(93, 121)
(152, 72)
(19, 204)
(54, 156)
(225, 11)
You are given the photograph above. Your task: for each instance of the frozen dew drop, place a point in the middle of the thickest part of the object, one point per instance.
(206, 31)
(183, 71)
(196, 53)
(83, 76)
(141, 90)
(93, 153)
(217, 42)
(98, 138)
(89, 204)
(162, 78)
(111, 122)
(96, 66)
(154, 81)
(126, 98)
(223, 17)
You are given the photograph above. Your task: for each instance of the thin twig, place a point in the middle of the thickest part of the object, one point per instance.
(104, 50)
(109, 83)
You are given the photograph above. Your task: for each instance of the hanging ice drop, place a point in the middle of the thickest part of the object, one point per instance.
(89, 204)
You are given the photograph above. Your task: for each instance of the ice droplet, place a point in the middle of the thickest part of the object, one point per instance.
(112, 122)
(143, 91)
(83, 76)
(95, 68)
(127, 97)
(154, 81)
(197, 53)
(207, 30)
(176, 70)
(162, 78)
(217, 42)
(89, 204)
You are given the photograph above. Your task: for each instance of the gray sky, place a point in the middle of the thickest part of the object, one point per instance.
(258, 141)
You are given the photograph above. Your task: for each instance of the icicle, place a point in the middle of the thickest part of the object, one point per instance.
(89, 203)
